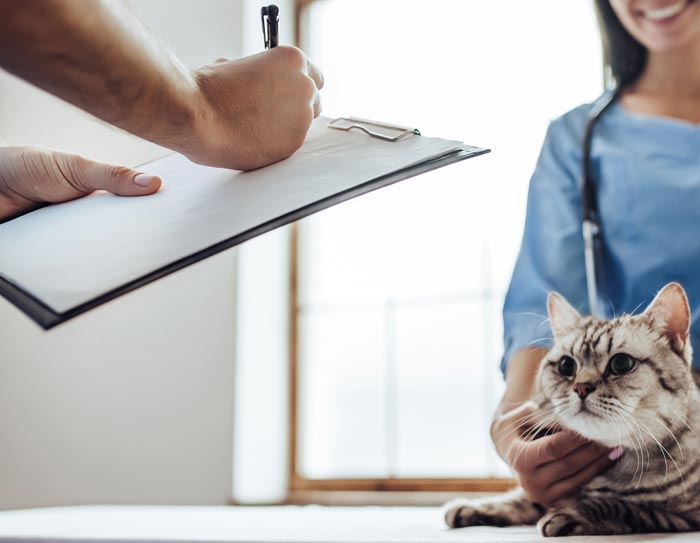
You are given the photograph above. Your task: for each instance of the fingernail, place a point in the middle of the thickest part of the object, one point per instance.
(144, 179)
(616, 453)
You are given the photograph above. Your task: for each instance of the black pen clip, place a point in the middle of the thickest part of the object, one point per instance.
(269, 17)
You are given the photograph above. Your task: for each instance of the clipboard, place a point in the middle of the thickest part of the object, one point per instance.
(54, 269)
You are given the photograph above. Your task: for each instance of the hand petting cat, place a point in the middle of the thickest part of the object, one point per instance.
(551, 468)
(31, 177)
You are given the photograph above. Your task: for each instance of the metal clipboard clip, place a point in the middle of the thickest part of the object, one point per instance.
(382, 131)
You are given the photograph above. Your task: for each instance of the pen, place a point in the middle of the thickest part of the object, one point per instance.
(269, 15)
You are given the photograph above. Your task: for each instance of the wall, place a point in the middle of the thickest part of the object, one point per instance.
(133, 402)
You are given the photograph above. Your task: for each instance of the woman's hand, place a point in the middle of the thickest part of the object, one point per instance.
(549, 468)
(31, 177)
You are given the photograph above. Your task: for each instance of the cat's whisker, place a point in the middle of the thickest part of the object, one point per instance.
(639, 455)
(610, 416)
(639, 452)
(634, 418)
(643, 448)
(614, 418)
(641, 443)
(678, 445)
(528, 434)
(640, 414)
(685, 423)
(531, 433)
(520, 424)
(538, 340)
(519, 443)
(640, 304)
(663, 449)
(532, 314)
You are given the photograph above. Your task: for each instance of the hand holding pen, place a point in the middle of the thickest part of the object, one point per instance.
(256, 110)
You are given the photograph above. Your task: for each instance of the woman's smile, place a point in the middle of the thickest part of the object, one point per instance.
(664, 14)
(661, 25)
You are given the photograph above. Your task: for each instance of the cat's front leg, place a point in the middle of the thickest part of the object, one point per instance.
(512, 509)
(613, 516)
(564, 522)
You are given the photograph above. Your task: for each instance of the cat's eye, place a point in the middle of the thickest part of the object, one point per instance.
(567, 366)
(621, 363)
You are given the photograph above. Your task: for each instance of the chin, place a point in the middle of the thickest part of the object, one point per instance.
(597, 429)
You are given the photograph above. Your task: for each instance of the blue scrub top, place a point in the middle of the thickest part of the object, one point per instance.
(647, 172)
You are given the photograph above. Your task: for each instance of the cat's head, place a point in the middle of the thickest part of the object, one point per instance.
(619, 381)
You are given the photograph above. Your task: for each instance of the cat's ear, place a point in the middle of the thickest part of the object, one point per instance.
(563, 317)
(670, 312)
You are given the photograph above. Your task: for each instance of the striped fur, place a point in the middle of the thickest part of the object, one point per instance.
(653, 411)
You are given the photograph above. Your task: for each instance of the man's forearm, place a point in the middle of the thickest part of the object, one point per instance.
(97, 56)
(239, 114)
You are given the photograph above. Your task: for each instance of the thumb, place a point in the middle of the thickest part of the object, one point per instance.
(90, 175)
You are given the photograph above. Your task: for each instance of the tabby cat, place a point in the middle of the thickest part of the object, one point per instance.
(623, 382)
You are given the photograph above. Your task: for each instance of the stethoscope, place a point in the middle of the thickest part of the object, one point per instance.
(590, 220)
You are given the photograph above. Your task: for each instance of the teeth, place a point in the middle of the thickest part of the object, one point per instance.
(665, 13)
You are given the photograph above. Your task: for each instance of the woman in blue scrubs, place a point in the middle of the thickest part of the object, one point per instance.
(646, 164)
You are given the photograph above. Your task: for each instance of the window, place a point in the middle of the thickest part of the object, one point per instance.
(397, 299)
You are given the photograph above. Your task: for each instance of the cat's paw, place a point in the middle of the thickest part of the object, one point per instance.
(563, 523)
(460, 513)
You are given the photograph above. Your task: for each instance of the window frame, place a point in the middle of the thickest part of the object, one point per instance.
(298, 483)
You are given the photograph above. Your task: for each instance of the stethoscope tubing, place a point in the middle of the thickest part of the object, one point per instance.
(591, 229)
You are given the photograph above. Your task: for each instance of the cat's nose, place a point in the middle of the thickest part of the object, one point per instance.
(584, 389)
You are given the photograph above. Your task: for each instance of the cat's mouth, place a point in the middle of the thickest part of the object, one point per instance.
(582, 409)
(585, 409)
(590, 420)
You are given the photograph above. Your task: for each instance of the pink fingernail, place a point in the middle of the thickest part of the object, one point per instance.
(616, 453)
(144, 180)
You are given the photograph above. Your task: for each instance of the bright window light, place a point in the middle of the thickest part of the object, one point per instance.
(401, 290)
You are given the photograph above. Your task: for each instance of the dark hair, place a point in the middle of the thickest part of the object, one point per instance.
(624, 57)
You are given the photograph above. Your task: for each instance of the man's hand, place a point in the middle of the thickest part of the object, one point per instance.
(31, 177)
(255, 111)
(550, 468)
(240, 114)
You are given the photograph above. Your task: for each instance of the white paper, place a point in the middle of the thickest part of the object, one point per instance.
(68, 254)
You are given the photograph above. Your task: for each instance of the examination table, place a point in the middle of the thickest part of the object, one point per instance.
(313, 524)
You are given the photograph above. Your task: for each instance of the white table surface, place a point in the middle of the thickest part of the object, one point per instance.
(311, 524)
